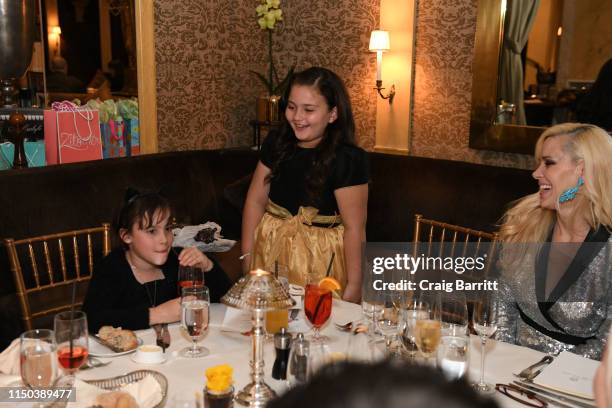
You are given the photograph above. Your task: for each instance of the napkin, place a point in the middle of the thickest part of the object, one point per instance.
(147, 393)
(9, 359)
(185, 237)
(571, 374)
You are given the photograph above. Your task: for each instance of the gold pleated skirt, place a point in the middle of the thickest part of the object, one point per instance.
(303, 248)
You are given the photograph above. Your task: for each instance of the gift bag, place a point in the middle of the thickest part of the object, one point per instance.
(132, 137)
(113, 139)
(34, 151)
(72, 134)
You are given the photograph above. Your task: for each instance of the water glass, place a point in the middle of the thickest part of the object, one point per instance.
(453, 356)
(428, 329)
(72, 340)
(38, 357)
(320, 355)
(195, 303)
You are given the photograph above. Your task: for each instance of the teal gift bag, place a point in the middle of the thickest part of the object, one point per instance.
(34, 151)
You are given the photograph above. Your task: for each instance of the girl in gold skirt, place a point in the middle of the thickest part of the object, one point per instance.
(308, 196)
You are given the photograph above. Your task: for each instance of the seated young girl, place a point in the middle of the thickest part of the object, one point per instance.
(135, 286)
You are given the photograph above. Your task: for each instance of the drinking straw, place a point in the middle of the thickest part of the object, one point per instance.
(276, 269)
(72, 321)
(330, 265)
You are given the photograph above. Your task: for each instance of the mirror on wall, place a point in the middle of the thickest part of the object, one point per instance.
(535, 63)
(90, 49)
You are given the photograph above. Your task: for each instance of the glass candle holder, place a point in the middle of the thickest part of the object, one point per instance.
(219, 399)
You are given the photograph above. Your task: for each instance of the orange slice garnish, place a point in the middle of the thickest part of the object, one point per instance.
(330, 284)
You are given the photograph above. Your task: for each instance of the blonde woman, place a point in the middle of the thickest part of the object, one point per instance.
(555, 291)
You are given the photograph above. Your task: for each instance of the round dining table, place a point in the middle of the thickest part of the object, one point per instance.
(186, 376)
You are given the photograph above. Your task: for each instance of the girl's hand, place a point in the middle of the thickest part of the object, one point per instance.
(167, 312)
(192, 256)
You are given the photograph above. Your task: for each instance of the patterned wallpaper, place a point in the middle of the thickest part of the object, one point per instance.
(206, 96)
(443, 84)
(205, 49)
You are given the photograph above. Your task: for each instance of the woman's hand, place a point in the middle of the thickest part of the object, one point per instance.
(192, 256)
(167, 312)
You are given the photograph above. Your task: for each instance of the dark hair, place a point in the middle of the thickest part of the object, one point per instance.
(342, 130)
(386, 384)
(140, 208)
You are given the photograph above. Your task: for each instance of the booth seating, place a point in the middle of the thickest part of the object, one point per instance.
(211, 185)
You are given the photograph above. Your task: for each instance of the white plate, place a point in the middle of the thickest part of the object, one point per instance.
(133, 358)
(98, 350)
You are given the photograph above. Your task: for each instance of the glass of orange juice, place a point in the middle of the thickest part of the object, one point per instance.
(277, 319)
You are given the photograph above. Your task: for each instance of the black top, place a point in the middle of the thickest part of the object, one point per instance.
(288, 189)
(116, 298)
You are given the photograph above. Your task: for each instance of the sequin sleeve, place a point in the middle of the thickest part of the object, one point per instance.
(507, 313)
(594, 348)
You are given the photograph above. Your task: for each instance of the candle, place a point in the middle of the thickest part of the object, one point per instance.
(379, 65)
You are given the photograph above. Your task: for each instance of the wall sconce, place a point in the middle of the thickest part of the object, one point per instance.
(379, 42)
(56, 31)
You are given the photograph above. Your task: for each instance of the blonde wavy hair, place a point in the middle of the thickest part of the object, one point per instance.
(526, 221)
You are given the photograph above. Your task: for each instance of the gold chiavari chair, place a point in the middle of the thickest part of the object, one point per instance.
(44, 276)
(431, 231)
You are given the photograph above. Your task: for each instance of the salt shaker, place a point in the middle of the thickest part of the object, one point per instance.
(298, 359)
(282, 344)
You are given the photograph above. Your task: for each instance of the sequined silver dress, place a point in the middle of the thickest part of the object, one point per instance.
(574, 317)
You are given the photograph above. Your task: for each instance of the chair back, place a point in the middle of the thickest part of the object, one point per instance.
(467, 239)
(53, 271)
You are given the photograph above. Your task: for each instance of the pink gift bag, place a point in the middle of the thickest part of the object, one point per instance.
(72, 134)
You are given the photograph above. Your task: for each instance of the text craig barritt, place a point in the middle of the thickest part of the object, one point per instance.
(442, 285)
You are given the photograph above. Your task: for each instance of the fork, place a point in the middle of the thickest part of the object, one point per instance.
(93, 362)
(530, 372)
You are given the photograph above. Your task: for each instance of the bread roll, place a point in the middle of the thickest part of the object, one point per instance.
(116, 399)
(122, 340)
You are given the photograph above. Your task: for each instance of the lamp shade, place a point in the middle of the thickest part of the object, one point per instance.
(379, 41)
(258, 290)
(57, 30)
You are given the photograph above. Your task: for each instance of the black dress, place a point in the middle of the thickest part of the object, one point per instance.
(116, 298)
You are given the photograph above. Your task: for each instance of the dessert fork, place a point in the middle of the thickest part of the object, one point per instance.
(530, 372)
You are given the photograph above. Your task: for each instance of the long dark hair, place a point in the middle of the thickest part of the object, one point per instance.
(342, 130)
(140, 208)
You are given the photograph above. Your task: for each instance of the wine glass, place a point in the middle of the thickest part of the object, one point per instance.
(189, 276)
(317, 307)
(38, 358)
(72, 338)
(319, 356)
(428, 327)
(415, 310)
(485, 325)
(388, 326)
(195, 302)
(454, 314)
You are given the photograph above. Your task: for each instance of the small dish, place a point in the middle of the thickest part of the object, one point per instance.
(149, 354)
(99, 350)
(134, 359)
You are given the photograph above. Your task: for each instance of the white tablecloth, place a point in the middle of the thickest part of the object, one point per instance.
(186, 376)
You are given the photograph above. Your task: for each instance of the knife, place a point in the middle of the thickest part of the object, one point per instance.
(543, 393)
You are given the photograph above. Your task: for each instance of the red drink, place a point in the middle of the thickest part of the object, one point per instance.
(317, 305)
(189, 284)
(68, 362)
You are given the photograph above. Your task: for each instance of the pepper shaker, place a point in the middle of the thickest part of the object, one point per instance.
(298, 359)
(282, 344)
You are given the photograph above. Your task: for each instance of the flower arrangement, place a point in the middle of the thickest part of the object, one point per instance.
(269, 14)
(219, 378)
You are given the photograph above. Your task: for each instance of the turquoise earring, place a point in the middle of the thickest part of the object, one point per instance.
(570, 193)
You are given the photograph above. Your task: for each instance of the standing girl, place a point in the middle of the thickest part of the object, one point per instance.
(136, 286)
(308, 196)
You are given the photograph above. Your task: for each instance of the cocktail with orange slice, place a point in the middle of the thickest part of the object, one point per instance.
(318, 303)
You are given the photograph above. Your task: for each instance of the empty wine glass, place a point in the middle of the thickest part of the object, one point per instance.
(72, 339)
(454, 314)
(485, 325)
(38, 358)
(195, 302)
